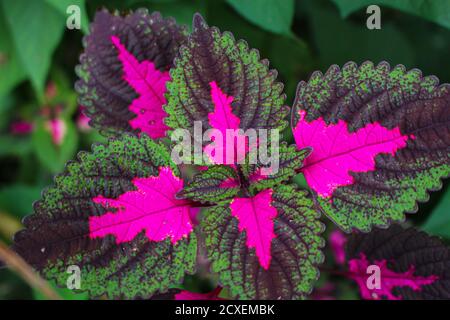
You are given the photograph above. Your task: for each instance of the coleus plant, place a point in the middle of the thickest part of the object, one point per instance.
(370, 140)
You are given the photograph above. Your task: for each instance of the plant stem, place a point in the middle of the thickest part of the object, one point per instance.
(24, 270)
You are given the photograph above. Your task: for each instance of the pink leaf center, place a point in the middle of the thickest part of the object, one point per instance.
(256, 216)
(150, 84)
(230, 148)
(337, 152)
(152, 207)
(388, 279)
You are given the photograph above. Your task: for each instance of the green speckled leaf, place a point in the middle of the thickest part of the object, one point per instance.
(212, 56)
(435, 10)
(295, 250)
(213, 185)
(57, 235)
(290, 161)
(402, 101)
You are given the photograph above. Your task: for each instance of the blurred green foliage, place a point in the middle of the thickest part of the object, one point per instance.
(38, 55)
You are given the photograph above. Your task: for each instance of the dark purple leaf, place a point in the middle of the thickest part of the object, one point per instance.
(117, 100)
(412, 264)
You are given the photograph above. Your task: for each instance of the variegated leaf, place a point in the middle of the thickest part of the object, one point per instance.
(295, 250)
(214, 58)
(101, 216)
(380, 140)
(124, 70)
(412, 265)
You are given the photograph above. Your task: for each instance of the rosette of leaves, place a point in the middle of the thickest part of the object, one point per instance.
(122, 214)
(380, 138)
(370, 140)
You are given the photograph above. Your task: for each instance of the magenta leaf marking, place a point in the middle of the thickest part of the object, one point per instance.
(337, 152)
(222, 118)
(150, 84)
(152, 207)
(388, 279)
(231, 151)
(256, 216)
(188, 295)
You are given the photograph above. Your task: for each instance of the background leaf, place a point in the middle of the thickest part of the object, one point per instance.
(36, 30)
(272, 15)
(51, 155)
(436, 10)
(336, 38)
(11, 71)
(438, 223)
(62, 5)
(26, 194)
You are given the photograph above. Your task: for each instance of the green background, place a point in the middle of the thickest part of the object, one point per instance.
(38, 55)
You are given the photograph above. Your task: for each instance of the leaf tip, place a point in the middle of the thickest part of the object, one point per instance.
(198, 22)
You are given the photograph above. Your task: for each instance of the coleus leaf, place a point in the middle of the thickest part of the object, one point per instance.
(102, 216)
(216, 184)
(214, 57)
(380, 140)
(412, 264)
(295, 246)
(151, 207)
(124, 70)
(290, 161)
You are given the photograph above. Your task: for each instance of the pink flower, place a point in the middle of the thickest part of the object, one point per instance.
(58, 129)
